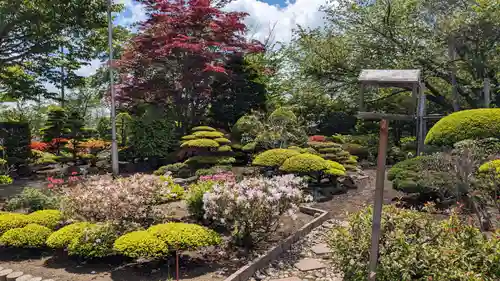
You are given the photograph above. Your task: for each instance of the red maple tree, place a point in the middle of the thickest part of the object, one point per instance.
(178, 51)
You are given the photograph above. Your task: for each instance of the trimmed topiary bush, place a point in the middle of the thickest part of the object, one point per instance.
(140, 244)
(12, 220)
(205, 148)
(335, 169)
(274, 157)
(335, 152)
(185, 236)
(467, 124)
(30, 236)
(96, 241)
(61, 238)
(48, 218)
(304, 163)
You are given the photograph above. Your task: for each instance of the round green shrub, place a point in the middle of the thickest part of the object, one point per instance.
(140, 244)
(203, 128)
(194, 198)
(5, 179)
(12, 220)
(30, 236)
(467, 124)
(222, 141)
(338, 139)
(61, 238)
(96, 241)
(274, 157)
(490, 167)
(174, 168)
(183, 236)
(224, 148)
(189, 137)
(48, 218)
(335, 149)
(282, 115)
(335, 165)
(208, 135)
(199, 143)
(304, 163)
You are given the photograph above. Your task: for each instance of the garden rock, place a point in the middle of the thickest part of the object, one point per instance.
(185, 181)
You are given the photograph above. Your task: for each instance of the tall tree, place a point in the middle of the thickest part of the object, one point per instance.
(405, 34)
(237, 93)
(176, 55)
(32, 33)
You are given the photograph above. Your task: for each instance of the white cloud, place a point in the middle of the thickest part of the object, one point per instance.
(263, 16)
(134, 12)
(89, 69)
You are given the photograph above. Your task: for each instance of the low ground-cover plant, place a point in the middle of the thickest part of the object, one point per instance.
(415, 246)
(252, 208)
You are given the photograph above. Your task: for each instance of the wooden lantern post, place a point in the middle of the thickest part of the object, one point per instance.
(408, 79)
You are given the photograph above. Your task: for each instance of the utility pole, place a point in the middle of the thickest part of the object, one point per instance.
(114, 145)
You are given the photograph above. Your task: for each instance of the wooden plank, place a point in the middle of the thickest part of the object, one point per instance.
(390, 77)
(486, 91)
(386, 116)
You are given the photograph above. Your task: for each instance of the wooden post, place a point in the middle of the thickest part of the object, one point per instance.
(177, 264)
(421, 128)
(486, 91)
(362, 98)
(379, 199)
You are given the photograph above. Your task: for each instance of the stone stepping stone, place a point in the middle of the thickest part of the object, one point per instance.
(14, 275)
(309, 264)
(321, 249)
(36, 279)
(288, 279)
(24, 278)
(4, 273)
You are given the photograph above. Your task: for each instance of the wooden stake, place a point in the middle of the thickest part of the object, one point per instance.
(486, 91)
(177, 264)
(379, 198)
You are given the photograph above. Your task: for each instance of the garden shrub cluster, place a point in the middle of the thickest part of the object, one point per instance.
(121, 201)
(274, 157)
(415, 246)
(466, 124)
(252, 208)
(94, 241)
(334, 151)
(47, 218)
(140, 244)
(29, 236)
(61, 238)
(194, 198)
(33, 199)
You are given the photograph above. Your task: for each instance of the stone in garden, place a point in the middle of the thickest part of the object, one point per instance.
(321, 249)
(36, 279)
(309, 264)
(14, 275)
(288, 279)
(26, 277)
(4, 273)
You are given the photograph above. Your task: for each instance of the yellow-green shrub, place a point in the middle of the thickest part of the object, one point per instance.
(274, 157)
(214, 160)
(304, 163)
(48, 218)
(5, 179)
(30, 236)
(61, 238)
(140, 244)
(222, 141)
(206, 143)
(12, 220)
(93, 242)
(335, 169)
(181, 236)
(194, 198)
(224, 148)
(467, 124)
(203, 128)
(208, 135)
(490, 167)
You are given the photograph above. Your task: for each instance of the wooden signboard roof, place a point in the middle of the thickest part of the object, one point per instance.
(390, 78)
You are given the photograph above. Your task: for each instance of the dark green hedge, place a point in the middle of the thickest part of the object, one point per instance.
(16, 138)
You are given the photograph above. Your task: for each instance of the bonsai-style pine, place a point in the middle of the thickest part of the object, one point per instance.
(206, 147)
(55, 126)
(335, 152)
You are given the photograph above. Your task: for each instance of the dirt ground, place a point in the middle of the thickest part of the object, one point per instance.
(194, 267)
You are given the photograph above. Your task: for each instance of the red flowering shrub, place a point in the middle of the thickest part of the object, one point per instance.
(317, 138)
(38, 145)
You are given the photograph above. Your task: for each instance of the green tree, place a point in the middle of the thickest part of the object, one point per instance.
(55, 126)
(404, 34)
(104, 128)
(39, 37)
(76, 133)
(237, 93)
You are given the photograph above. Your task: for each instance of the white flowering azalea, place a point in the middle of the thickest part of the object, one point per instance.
(253, 207)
